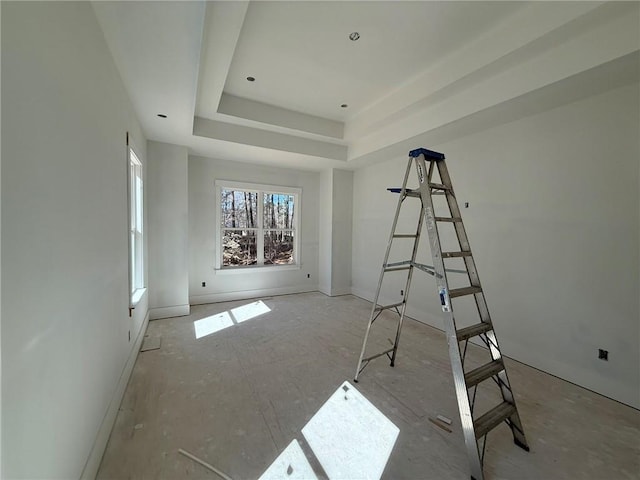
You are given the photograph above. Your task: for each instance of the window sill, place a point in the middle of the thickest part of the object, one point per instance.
(137, 296)
(255, 269)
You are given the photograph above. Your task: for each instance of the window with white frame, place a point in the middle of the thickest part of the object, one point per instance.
(136, 198)
(258, 225)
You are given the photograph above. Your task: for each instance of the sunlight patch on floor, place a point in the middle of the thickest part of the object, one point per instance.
(212, 324)
(348, 435)
(291, 464)
(249, 311)
(215, 323)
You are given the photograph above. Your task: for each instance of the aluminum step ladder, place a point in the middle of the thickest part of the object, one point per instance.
(434, 181)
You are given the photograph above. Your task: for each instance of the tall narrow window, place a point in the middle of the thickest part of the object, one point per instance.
(136, 197)
(257, 225)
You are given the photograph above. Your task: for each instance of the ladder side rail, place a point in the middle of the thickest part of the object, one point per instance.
(462, 394)
(483, 310)
(407, 286)
(463, 241)
(507, 394)
(386, 260)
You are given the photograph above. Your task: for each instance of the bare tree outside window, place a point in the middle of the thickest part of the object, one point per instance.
(278, 237)
(257, 227)
(239, 233)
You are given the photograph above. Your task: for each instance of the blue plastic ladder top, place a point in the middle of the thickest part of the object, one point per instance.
(427, 154)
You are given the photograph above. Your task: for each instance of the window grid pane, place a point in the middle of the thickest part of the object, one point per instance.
(239, 247)
(278, 210)
(279, 247)
(239, 208)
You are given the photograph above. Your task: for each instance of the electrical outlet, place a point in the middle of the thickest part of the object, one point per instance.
(129, 335)
(204, 284)
(603, 354)
(466, 204)
(402, 293)
(308, 275)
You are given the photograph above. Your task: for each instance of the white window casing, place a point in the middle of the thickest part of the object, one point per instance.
(136, 226)
(258, 229)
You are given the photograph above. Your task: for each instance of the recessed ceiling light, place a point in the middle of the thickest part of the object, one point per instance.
(251, 79)
(344, 105)
(353, 36)
(162, 115)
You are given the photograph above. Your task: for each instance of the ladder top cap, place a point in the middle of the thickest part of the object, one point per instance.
(427, 154)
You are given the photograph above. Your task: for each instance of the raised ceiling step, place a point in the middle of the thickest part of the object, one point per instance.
(455, 254)
(459, 292)
(480, 374)
(493, 418)
(473, 330)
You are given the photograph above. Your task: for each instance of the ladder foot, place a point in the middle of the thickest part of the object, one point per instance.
(523, 446)
(355, 380)
(392, 364)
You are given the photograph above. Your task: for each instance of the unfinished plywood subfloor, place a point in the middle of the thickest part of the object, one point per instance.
(238, 397)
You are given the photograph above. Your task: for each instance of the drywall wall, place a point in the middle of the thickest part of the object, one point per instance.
(226, 285)
(342, 208)
(167, 230)
(325, 231)
(336, 205)
(0, 266)
(553, 222)
(65, 316)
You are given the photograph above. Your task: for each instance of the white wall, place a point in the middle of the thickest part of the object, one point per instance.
(66, 351)
(220, 286)
(326, 230)
(0, 270)
(336, 205)
(554, 225)
(342, 207)
(167, 230)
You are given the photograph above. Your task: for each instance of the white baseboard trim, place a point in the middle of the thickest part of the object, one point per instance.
(364, 294)
(326, 289)
(336, 292)
(167, 312)
(247, 294)
(100, 444)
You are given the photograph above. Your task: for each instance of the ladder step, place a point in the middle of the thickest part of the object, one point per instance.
(439, 186)
(455, 254)
(480, 374)
(404, 235)
(474, 330)
(397, 269)
(408, 191)
(448, 219)
(459, 292)
(380, 308)
(493, 418)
